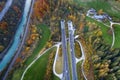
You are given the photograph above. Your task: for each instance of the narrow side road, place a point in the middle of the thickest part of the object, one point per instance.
(56, 56)
(35, 61)
(82, 58)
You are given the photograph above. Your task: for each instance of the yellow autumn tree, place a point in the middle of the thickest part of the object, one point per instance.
(100, 11)
(1, 48)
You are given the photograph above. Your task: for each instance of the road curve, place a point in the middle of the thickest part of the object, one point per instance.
(83, 56)
(5, 9)
(113, 33)
(35, 61)
(56, 56)
(111, 26)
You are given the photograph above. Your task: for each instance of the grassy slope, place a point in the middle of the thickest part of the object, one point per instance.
(79, 72)
(38, 69)
(117, 32)
(45, 37)
(99, 4)
(107, 38)
(55, 77)
(69, 60)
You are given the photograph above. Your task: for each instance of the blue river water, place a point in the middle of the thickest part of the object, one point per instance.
(15, 46)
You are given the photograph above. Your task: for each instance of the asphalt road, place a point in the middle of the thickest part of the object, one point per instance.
(20, 47)
(66, 73)
(71, 42)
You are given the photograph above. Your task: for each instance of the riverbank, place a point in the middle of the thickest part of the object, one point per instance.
(21, 28)
(8, 25)
(22, 41)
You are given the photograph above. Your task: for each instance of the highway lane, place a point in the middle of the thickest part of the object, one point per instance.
(5, 9)
(66, 73)
(73, 58)
(22, 42)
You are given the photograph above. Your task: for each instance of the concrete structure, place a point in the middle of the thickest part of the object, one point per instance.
(92, 12)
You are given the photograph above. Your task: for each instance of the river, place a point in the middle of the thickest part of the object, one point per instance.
(17, 40)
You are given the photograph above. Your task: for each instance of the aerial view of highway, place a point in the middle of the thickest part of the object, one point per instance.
(71, 42)
(59, 40)
(66, 72)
